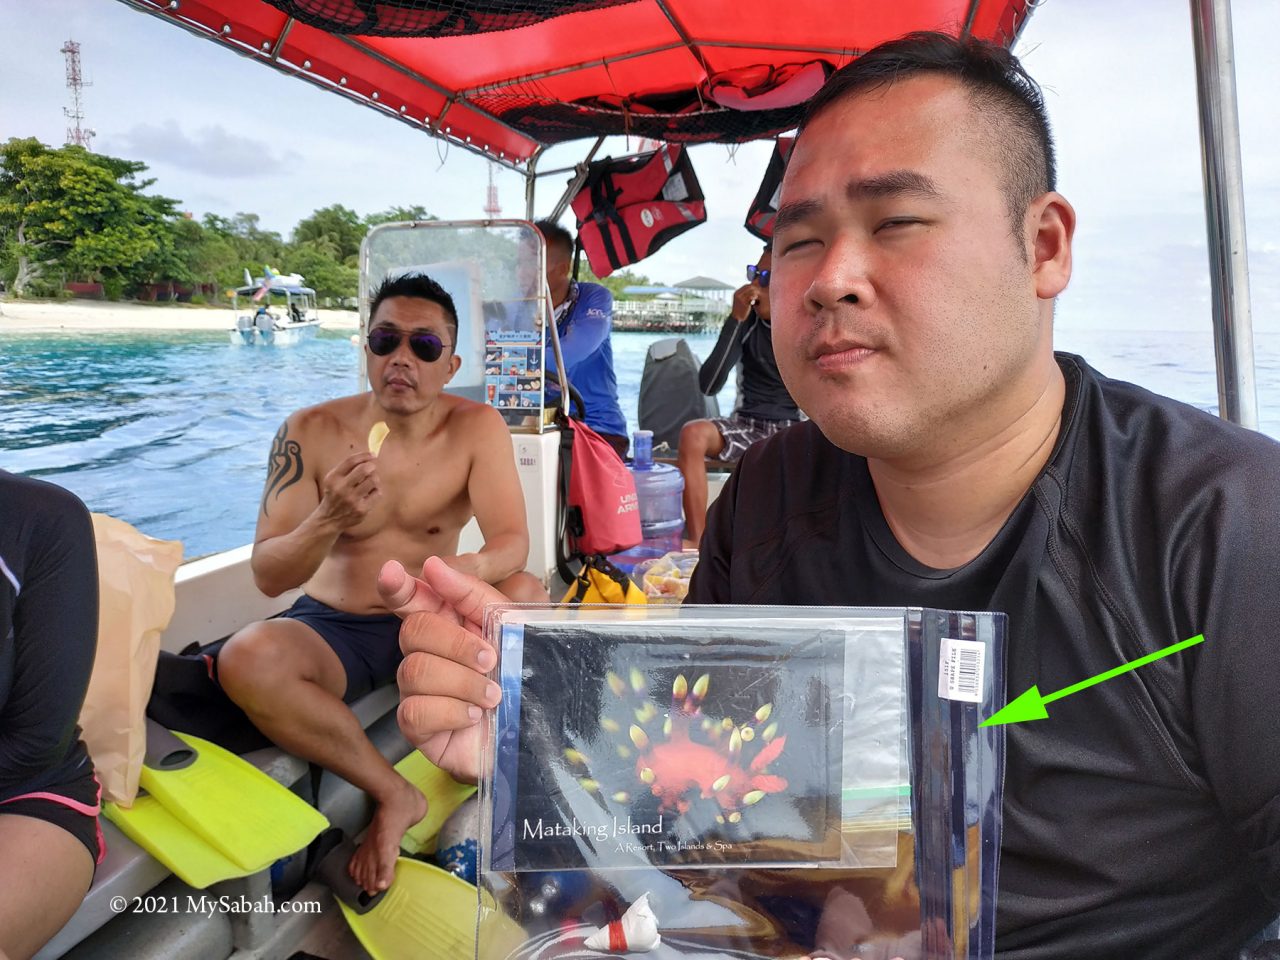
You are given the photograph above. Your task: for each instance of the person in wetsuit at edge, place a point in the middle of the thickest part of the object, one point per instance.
(50, 838)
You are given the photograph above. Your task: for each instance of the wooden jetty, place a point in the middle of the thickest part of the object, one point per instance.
(667, 316)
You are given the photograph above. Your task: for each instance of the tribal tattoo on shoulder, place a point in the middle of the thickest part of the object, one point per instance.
(284, 465)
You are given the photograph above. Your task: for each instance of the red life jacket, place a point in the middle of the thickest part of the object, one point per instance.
(764, 208)
(628, 208)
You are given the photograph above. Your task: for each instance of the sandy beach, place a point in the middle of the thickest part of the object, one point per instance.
(26, 317)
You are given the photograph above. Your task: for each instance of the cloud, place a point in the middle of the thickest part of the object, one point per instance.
(214, 150)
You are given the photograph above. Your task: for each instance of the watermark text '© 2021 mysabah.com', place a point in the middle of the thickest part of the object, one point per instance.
(208, 906)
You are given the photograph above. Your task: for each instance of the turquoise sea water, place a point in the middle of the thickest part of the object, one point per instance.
(171, 431)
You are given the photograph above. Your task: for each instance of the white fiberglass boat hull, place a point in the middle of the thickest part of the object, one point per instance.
(282, 336)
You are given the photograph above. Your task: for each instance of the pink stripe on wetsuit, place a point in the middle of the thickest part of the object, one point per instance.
(76, 805)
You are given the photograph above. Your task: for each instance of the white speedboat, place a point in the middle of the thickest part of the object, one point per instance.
(285, 313)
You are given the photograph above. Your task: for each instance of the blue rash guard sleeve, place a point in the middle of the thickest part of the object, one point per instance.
(48, 631)
(588, 358)
(587, 327)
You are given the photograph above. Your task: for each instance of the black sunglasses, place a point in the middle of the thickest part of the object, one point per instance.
(758, 274)
(425, 346)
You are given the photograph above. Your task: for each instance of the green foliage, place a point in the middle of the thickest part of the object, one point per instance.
(176, 240)
(321, 270)
(233, 244)
(8, 262)
(217, 261)
(339, 228)
(75, 212)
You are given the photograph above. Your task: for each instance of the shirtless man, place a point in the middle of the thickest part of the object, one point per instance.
(331, 514)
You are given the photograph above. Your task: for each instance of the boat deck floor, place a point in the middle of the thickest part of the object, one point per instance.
(331, 939)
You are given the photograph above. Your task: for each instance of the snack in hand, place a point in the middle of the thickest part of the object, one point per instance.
(377, 433)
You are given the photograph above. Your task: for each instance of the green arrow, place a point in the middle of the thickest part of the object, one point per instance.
(1031, 705)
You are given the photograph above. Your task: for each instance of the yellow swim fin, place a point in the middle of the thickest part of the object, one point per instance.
(231, 805)
(426, 914)
(443, 793)
(161, 834)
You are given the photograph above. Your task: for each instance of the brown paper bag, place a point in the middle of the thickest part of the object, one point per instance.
(136, 601)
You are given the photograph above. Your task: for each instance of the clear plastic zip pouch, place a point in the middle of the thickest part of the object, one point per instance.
(735, 781)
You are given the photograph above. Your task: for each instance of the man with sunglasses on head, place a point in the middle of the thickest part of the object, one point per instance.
(333, 511)
(763, 404)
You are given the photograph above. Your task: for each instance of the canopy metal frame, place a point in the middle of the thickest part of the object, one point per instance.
(1224, 210)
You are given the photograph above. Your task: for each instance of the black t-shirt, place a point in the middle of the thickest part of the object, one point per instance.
(1142, 819)
(749, 346)
(48, 634)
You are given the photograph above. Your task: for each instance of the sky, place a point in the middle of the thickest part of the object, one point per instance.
(224, 134)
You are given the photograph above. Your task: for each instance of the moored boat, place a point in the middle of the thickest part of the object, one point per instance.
(277, 311)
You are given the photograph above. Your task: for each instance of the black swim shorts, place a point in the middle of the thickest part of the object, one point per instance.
(367, 644)
(72, 806)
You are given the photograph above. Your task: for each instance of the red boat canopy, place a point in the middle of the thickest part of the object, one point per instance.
(507, 77)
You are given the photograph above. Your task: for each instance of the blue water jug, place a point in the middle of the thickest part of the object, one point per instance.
(659, 487)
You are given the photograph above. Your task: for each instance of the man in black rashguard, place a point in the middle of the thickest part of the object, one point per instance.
(49, 836)
(763, 404)
(954, 460)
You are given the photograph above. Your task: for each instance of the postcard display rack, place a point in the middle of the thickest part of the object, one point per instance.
(723, 782)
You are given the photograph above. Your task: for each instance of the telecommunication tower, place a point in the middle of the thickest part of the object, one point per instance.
(492, 209)
(79, 135)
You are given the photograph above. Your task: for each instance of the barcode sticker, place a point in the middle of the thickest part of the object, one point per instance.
(961, 670)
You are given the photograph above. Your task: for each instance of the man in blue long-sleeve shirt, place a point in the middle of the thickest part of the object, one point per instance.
(584, 318)
(763, 405)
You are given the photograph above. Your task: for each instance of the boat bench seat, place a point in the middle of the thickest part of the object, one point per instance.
(127, 871)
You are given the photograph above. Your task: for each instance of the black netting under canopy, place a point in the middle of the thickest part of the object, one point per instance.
(430, 18)
(549, 121)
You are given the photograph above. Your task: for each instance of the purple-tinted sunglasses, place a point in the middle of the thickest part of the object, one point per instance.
(425, 346)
